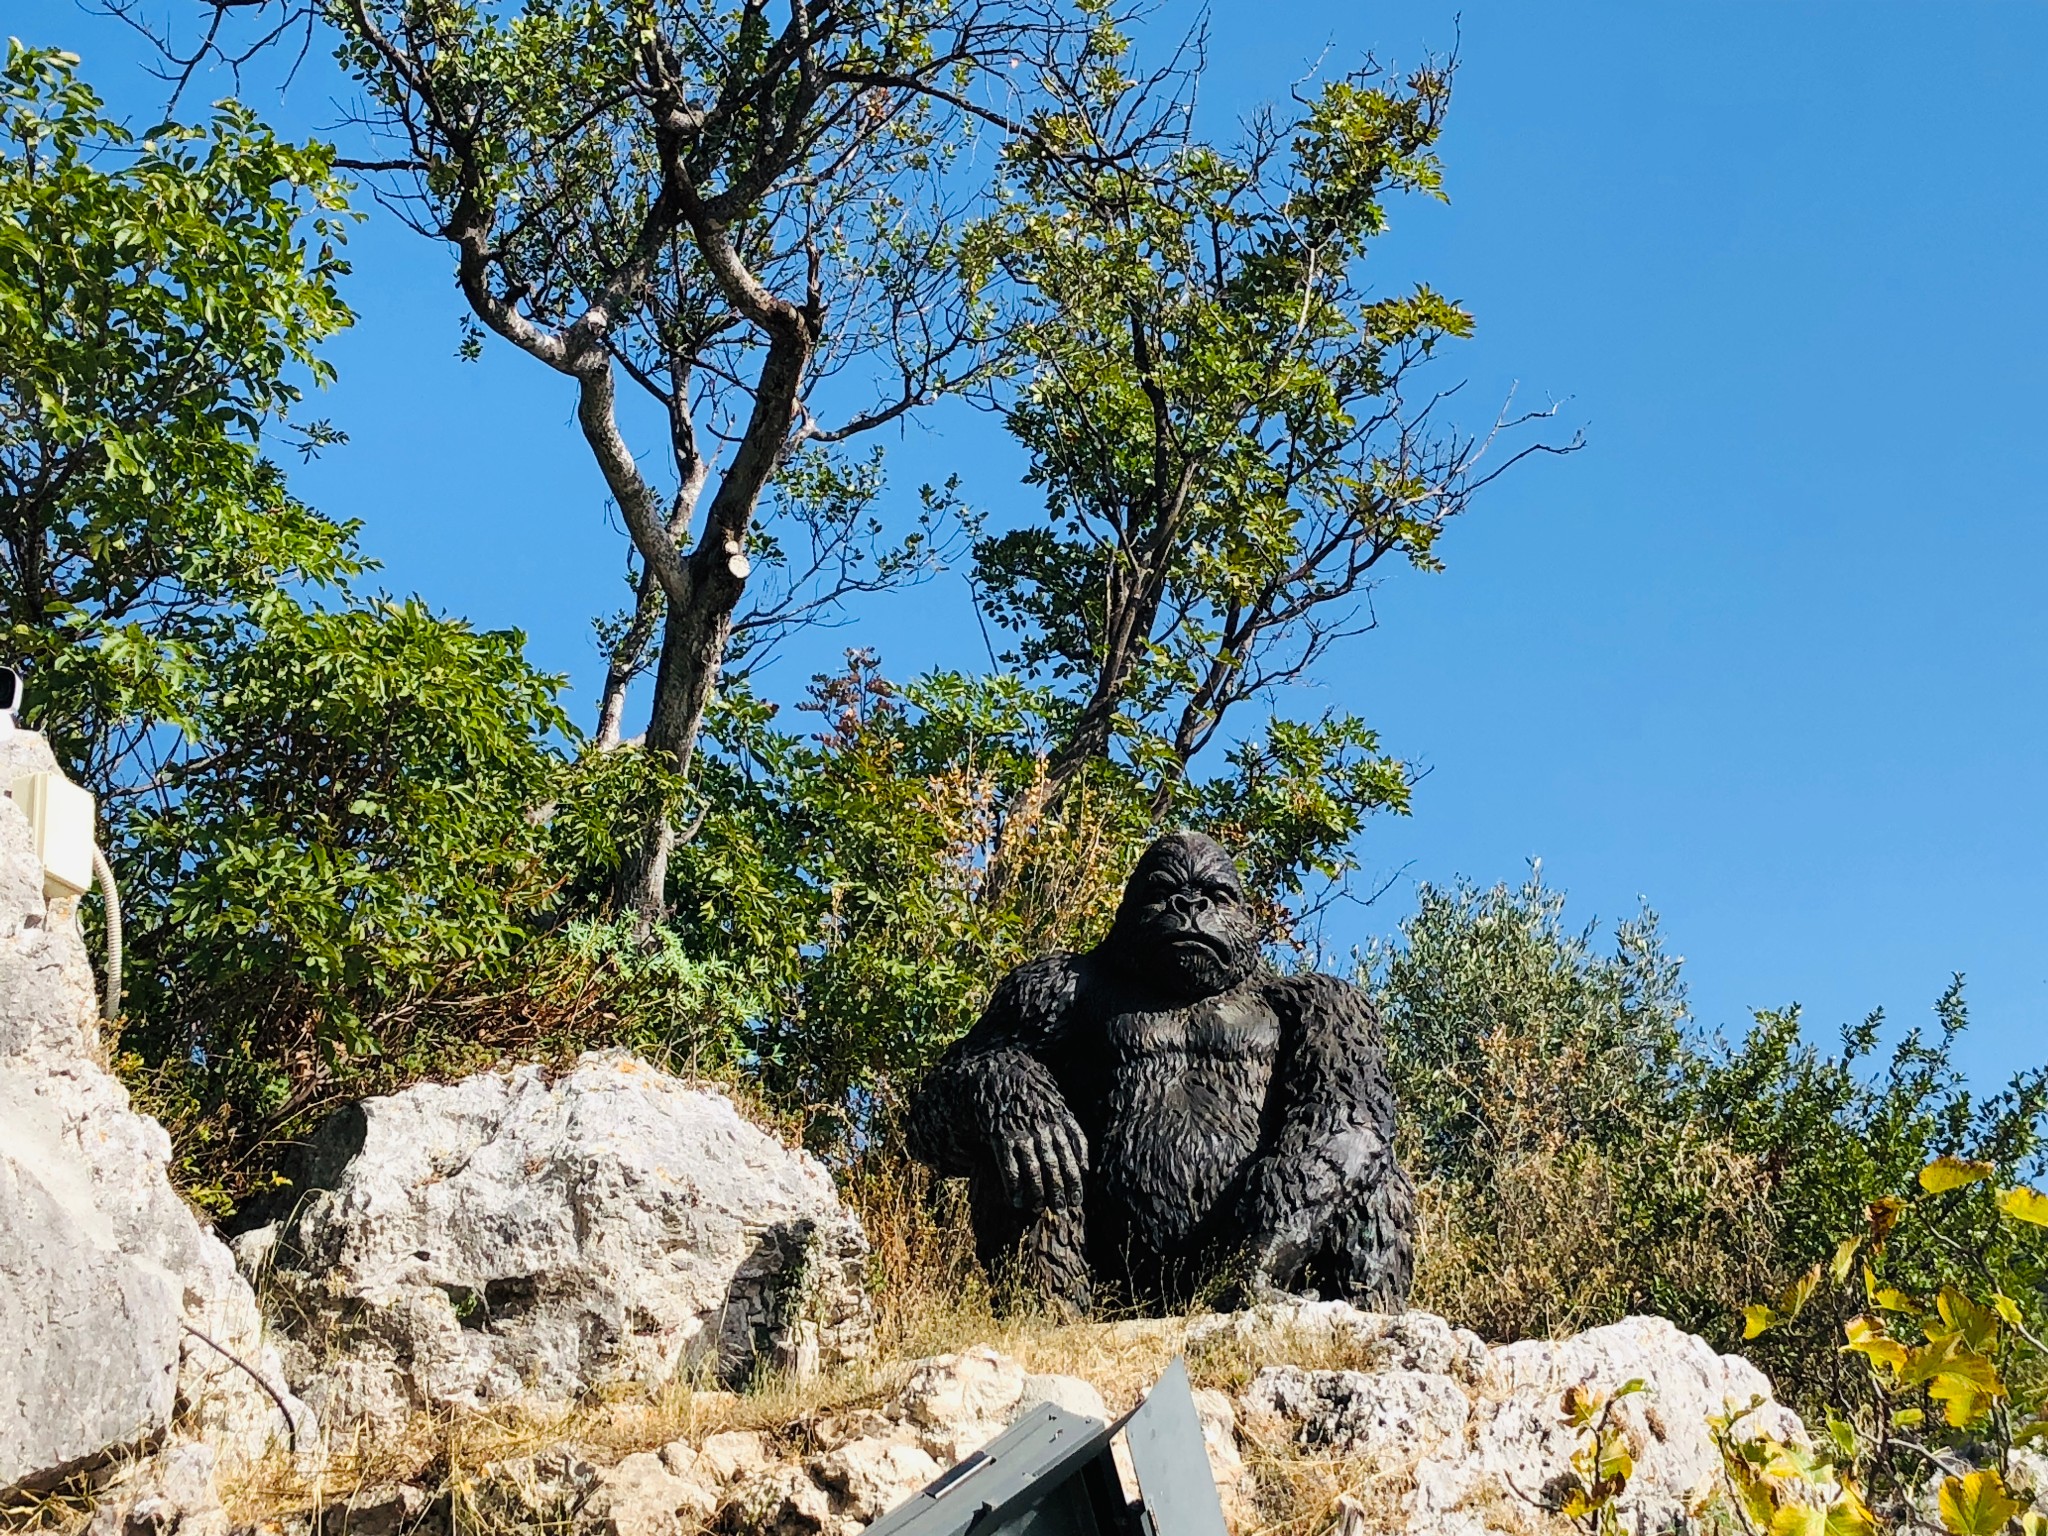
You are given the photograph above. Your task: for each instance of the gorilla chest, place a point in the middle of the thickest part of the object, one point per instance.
(1182, 1108)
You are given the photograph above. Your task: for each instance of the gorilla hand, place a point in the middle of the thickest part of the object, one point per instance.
(1037, 1146)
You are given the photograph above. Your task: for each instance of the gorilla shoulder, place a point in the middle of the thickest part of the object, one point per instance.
(1314, 995)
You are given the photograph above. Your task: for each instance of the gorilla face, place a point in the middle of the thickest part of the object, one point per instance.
(1183, 923)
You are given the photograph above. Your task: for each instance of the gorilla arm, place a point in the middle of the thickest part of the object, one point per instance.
(992, 1106)
(1325, 1176)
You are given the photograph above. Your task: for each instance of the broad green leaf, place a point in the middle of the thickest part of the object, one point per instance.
(1799, 1520)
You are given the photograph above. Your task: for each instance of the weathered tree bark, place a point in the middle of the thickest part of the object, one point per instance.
(699, 619)
(623, 665)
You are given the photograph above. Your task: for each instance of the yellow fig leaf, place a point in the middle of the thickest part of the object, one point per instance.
(1798, 1293)
(1947, 1173)
(1850, 1516)
(1580, 1405)
(1799, 1520)
(2023, 1204)
(1892, 1299)
(1867, 1338)
(1908, 1418)
(1758, 1319)
(2008, 1309)
(1976, 1505)
(2033, 1523)
(1975, 1324)
(1845, 1255)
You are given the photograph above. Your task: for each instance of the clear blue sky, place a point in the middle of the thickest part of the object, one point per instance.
(1770, 652)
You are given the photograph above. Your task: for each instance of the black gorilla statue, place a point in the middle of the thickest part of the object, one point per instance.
(1166, 1117)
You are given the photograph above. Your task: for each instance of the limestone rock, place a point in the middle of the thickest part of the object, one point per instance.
(507, 1237)
(110, 1289)
(171, 1494)
(733, 1455)
(1520, 1440)
(869, 1478)
(783, 1501)
(1485, 1446)
(1381, 1414)
(645, 1496)
(1235, 1485)
(1411, 1341)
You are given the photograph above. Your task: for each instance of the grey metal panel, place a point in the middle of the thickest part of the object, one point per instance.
(1164, 1434)
(1001, 1488)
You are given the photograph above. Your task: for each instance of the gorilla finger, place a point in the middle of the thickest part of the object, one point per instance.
(1030, 1192)
(1056, 1147)
(1080, 1146)
(1008, 1163)
(1053, 1169)
(1074, 1161)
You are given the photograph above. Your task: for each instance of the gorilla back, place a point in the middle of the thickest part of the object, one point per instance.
(1164, 1115)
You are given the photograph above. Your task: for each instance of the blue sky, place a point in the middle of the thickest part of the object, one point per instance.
(1769, 652)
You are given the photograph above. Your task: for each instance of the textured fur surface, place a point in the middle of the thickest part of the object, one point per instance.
(1162, 1116)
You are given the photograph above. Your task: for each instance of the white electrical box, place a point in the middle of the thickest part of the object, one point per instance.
(60, 815)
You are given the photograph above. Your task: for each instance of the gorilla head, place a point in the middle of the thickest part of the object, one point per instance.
(1183, 922)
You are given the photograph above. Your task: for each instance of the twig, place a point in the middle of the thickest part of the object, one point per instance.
(291, 1424)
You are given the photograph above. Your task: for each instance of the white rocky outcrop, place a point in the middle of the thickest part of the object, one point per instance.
(1479, 1438)
(1431, 1430)
(511, 1236)
(119, 1313)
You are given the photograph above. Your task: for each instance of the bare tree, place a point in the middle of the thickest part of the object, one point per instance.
(753, 224)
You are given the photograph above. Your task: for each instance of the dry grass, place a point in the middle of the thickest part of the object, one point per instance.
(930, 1298)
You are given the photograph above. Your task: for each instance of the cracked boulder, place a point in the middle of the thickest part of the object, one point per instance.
(120, 1314)
(510, 1237)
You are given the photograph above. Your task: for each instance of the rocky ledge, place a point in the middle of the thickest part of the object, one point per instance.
(1423, 1427)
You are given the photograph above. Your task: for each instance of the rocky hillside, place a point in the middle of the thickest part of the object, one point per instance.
(606, 1303)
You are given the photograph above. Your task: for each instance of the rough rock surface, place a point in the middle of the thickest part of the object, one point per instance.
(170, 1494)
(1436, 1434)
(856, 1466)
(1488, 1449)
(107, 1281)
(468, 1244)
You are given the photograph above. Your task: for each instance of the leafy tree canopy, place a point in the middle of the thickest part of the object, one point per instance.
(162, 300)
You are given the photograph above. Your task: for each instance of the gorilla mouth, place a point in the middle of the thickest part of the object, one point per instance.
(1215, 948)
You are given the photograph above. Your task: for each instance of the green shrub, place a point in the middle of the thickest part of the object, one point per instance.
(1585, 1152)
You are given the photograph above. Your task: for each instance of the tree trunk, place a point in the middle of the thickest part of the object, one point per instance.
(693, 644)
(625, 664)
